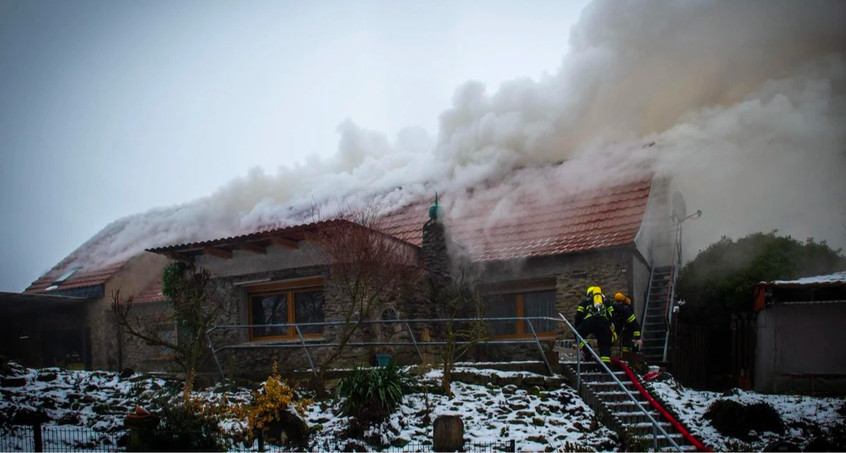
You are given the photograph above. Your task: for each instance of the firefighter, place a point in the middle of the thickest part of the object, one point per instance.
(593, 317)
(626, 323)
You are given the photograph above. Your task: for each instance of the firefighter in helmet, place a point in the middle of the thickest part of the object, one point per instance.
(625, 322)
(593, 317)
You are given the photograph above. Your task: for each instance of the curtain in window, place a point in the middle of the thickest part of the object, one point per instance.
(270, 309)
(501, 306)
(539, 304)
(308, 307)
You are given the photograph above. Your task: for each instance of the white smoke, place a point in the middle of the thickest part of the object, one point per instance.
(744, 102)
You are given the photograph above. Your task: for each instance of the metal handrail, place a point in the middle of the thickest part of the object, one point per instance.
(648, 295)
(655, 424)
(535, 339)
(674, 273)
(305, 344)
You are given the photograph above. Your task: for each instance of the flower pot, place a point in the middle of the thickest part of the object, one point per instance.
(383, 360)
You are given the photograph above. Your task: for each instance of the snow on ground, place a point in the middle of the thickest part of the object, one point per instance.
(537, 419)
(805, 417)
(93, 399)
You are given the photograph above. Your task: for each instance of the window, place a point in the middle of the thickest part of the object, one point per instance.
(518, 305)
(285, 303)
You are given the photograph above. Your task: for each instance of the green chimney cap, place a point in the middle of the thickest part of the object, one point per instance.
(436, 212)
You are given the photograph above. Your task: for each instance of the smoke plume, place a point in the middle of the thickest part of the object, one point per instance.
(741, 103)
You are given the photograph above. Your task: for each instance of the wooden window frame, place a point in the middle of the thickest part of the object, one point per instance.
(290, 288)
(519, 289)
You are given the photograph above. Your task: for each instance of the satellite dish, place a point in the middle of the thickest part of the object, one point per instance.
(679, 208)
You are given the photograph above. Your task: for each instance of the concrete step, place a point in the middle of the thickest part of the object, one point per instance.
(600, 387)
(663, 443)
(637, 416)
(611, 396)
(603, 376)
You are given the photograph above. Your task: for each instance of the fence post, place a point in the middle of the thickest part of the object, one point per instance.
(38, 441)
(260, 437)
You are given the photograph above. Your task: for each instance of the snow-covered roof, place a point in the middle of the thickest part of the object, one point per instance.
(837, 278)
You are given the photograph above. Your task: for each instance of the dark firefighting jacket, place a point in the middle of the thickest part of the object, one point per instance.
(625, 320)
(586, 309)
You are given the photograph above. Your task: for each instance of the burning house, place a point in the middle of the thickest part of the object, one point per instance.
(528, 254)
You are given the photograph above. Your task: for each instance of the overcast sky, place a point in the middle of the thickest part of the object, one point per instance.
(181, 121)
(110, 108)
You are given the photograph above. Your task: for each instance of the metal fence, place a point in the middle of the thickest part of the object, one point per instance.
(505, 445)
(59, 438)
(533, 338)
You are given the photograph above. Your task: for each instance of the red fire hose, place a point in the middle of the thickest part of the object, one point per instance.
(684, 432)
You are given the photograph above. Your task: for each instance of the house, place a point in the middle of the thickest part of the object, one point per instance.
(532, 256)
(531, 250)
(798, 346)
(85, 290)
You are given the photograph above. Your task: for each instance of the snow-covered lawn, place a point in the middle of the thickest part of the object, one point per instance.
(805, 417)
(535, 418)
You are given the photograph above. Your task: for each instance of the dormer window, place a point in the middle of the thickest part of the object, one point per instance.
(64, 277)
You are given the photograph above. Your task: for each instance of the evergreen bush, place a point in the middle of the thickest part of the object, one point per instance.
(734, 419)
(371, 394)
(186, 427)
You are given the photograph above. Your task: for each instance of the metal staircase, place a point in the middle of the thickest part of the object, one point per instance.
(657, 314)
(606, 396)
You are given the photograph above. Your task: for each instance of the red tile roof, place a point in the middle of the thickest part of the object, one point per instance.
(80, 279)
(152, 293)
(493, 226)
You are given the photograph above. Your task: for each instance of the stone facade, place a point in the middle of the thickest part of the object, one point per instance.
(609, 269)
(243, 274)
(137, 354)
(106, 337)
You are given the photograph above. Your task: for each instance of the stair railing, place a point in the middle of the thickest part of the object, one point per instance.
(656, 427)
(648, 294)
(671, 295)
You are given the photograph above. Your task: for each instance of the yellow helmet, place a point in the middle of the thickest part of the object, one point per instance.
(619, 297)
(628, 301)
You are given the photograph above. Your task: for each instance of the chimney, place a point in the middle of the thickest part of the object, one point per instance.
(435, 258)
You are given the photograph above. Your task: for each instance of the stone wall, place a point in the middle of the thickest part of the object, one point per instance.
(573, 274)
(138, 273)
(254, 359)
(137, 354)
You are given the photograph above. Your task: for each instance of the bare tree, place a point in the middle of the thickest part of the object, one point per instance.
(194, 310)
(459, 300)
(366, 269)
